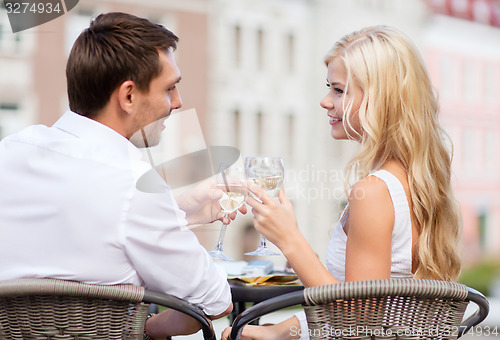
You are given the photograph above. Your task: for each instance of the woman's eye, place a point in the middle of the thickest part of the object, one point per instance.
(340, 91)
(328, 85)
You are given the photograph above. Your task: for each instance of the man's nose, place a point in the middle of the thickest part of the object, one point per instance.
(176, 100)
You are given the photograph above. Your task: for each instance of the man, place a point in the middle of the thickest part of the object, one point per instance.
(69, 205)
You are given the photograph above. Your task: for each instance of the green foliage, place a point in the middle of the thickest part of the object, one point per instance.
(481, 275)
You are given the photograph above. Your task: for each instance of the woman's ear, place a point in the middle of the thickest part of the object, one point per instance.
(126, 96)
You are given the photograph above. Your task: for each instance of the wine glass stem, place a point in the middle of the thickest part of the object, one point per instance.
(262, 243)
(221, 237)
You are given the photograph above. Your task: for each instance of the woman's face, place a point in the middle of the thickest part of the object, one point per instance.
(337, 99)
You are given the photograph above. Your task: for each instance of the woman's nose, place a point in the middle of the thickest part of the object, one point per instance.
(326, 103)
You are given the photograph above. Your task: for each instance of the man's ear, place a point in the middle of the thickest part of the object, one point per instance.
(126, 93)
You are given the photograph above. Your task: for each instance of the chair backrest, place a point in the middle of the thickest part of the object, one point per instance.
(60, 309)
(387, 309)
(379, 309)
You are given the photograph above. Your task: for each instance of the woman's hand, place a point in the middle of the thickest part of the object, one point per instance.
(201, 204)
(278, 224)
(273, 220)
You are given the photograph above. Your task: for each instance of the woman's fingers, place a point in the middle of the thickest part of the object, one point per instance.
(259, 192)
(285, 202)
(253, 202)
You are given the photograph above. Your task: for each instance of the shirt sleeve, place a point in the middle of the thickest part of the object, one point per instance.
(168, 256)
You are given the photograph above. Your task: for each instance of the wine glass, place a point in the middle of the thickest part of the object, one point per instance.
(231, 182)
(268, 173)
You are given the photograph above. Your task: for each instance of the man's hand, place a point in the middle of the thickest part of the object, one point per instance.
(201, 204)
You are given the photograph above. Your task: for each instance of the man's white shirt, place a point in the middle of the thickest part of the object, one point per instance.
(70, 209)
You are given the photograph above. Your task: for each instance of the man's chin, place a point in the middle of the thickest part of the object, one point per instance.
(145, 140)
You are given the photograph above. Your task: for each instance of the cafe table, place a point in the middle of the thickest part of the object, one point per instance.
(247, 293)
(244, 293)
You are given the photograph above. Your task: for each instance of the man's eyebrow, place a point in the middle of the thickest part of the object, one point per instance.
(176, 81)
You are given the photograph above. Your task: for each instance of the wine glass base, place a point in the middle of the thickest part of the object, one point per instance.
(219, 255)
(262, 252)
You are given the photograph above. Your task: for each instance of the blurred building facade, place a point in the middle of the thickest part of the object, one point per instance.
(462, 45)
(254, 72)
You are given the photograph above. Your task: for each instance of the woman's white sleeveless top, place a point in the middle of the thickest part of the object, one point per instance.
(401, 255)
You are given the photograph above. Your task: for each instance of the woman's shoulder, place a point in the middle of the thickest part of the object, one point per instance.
(370, 208)
(370, 196)
(369, 188)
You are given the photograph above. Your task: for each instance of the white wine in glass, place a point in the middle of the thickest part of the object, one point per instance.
(232, 198)
(268, 173)
(234, 194)
(271, 185)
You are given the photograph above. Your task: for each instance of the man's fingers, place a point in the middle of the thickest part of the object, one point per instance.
(215, 193)
(220, 215)
(243, 209)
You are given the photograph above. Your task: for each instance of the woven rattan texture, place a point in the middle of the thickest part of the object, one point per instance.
(415, 309)
(73, 288)
(55, 317)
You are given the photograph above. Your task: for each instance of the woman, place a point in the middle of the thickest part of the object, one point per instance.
(401, 220)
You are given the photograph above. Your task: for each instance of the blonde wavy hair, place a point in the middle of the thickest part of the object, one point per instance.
(399, 121)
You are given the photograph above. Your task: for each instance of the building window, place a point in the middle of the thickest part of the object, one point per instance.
(6, 106)
(8, 39)
(446, 84)
(290, 140)
(260, 49)
(237, 128)
(469, 150)
(10, 119)
(491, 152)
(482, 221)
(481, 12)
(469, 84)
(490, 85)
(260, 132)
(237, 46)
(291, 52)
(460, 7)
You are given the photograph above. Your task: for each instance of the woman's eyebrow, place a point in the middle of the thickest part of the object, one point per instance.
(335, 83)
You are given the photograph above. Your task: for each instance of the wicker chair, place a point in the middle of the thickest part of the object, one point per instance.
(379, 309)
(59, 309)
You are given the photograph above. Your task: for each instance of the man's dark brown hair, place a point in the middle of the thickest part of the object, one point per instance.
(115, 48)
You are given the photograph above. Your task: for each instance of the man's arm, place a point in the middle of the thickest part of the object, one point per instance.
(168, 257)
(171, 322)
